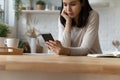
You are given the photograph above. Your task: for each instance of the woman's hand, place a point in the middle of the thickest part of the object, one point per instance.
(68, 21)
(65, 15)
(57, 47)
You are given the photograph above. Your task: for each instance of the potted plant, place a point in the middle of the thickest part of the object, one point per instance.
(4, 30)
(40, 5)
(25, 46)
(33, 34)
(17, 5)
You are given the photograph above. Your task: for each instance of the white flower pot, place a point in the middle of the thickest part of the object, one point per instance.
(33, 45)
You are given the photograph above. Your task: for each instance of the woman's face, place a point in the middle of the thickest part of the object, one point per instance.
(72, 8)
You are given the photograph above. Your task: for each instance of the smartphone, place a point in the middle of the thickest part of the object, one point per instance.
(47, 37)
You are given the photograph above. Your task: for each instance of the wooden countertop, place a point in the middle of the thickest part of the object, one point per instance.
(56, 63)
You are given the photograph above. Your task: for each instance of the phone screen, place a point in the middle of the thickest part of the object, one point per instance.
(47, 36)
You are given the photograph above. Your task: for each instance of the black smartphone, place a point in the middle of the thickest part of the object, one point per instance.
(47, 37)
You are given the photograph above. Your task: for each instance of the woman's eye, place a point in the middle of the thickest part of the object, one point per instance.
(72, 4)
(64, 4)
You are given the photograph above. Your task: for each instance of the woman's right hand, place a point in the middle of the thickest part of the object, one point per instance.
(65, 15)
(68, 21)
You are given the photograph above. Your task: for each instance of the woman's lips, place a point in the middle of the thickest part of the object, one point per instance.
(70, 14)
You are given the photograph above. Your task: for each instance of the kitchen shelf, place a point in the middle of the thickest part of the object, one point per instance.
(41, 11)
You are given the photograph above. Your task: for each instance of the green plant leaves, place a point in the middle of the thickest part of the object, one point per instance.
(4, 30)
(17, 10)
(40, 2)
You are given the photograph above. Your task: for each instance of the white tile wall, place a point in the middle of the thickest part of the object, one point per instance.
(108, 29)
(109, 25)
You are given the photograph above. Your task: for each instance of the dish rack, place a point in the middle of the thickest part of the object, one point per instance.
(11, 51)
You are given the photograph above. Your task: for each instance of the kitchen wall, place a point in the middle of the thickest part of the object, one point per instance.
(108, 28)
(9, 17)
(109, 25)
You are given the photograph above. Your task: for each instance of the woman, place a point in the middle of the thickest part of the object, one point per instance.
(78, 29)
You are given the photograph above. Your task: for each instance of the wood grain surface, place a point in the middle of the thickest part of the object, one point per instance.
(63, 64)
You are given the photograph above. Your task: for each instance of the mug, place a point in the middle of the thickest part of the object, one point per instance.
(11, 42)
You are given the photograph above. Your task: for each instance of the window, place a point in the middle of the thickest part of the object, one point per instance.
(2, 4)
(2, 10)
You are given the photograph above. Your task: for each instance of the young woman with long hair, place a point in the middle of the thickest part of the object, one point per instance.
(78, 29)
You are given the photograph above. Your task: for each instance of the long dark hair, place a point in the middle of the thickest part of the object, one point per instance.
(83, 15)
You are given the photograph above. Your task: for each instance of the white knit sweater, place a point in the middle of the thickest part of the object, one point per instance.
(82, 41)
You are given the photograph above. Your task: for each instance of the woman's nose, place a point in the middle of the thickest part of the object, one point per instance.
(68, 8)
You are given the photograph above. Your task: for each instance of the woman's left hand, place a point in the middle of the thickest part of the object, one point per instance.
(55, 46)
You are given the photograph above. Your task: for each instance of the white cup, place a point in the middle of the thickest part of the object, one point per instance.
(11, 42)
